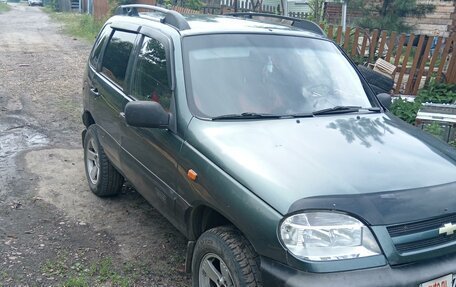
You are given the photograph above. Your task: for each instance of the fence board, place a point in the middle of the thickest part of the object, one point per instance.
(424, 60)
(364, 44)
(451, 73)
(339, 35)
(434, 58)
(390, 46)
(382, 44)
(373, 46)
(347, 38)
(399, 49)
(408, 88)
(404, 63)
(330, 32)
(443, 59)
(355, 42)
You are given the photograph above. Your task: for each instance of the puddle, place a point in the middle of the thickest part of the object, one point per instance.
(17, 135)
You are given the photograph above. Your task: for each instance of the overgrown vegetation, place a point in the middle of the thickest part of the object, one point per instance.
(438, 93)
(389, 14)
(4, 7)
(77, 25)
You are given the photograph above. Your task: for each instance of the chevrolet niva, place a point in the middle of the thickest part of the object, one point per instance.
(258, 139)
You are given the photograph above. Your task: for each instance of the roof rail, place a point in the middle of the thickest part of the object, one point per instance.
(295, 22)
(172, 18)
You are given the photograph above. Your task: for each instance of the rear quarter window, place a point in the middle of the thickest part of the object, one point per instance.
(99, 44)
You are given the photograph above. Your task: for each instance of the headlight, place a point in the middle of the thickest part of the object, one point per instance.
(325, 236)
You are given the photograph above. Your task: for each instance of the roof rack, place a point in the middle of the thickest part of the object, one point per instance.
(172, 18)
(295, 22)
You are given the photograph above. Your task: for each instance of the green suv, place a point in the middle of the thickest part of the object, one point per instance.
(258, 139)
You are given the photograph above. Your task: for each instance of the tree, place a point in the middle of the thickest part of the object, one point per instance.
(316, 8)
(389, 14)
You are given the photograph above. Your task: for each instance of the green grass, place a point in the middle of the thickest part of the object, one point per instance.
(100, 272)
(4, 7)
(76, 282)
(77, 25)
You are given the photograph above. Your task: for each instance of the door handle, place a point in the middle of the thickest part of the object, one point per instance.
(94, 92)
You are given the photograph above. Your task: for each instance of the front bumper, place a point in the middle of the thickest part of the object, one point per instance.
(275, 274)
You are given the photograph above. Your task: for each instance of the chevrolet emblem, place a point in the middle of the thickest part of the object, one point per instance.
(447, 229)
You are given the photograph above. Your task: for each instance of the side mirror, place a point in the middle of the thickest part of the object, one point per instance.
(146, 114)
(385, 100)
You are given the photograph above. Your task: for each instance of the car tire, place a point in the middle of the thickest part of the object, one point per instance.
(378, 82)
(104, 180)
(224, 254)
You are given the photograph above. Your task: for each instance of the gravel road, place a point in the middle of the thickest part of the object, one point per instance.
(53, 231)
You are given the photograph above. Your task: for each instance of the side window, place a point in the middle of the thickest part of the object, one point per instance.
(151, 81)
(102, 38)
(116, 55)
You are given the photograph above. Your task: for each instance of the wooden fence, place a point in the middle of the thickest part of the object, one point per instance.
(418, 58)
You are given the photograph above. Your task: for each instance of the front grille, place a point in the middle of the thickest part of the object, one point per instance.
(417, 245)
(412, 228)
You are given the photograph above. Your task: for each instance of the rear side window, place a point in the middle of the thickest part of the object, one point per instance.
(116, 56)
(151, 75)
(104, 36)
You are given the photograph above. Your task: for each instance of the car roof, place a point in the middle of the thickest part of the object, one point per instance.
(197, 24)
(208, 24)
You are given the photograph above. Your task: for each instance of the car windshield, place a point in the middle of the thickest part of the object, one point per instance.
(235, 74)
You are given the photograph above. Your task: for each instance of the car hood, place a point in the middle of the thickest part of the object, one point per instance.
(295, 164)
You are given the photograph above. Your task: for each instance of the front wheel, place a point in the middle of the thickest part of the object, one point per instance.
(224, 258)
(104, 179)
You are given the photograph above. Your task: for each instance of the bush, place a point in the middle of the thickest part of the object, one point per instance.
(437, 93)
(405, 110)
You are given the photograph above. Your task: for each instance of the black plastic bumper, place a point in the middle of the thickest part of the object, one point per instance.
(275, 274)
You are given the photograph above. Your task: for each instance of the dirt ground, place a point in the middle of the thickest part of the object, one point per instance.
(53, 230)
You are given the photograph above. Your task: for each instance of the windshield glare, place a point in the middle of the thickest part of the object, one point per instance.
(267, 74)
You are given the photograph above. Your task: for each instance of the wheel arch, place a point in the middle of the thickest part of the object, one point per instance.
(87, 119)
(201, 219)
(204, 218)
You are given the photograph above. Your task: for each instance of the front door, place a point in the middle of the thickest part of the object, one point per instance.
(149, 155)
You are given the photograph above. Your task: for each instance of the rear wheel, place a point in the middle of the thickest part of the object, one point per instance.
(103, 178)
(224, 258)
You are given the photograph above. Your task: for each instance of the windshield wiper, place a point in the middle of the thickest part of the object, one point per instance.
(343, 110)
(247, 115)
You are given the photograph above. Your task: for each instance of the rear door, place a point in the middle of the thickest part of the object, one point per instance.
(108, 87)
